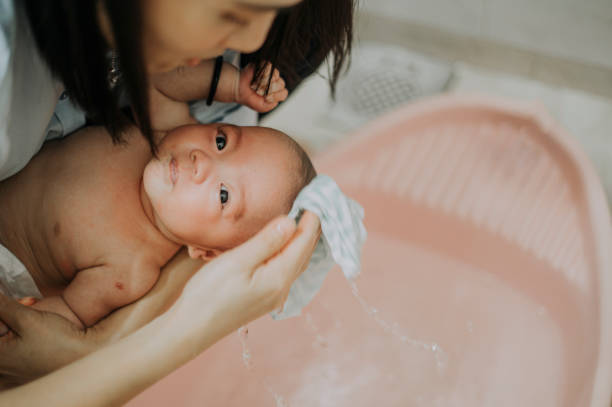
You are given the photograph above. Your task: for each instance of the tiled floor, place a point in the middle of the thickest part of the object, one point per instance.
(309, 116)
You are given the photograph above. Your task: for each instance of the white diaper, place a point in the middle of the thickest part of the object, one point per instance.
(15, 280)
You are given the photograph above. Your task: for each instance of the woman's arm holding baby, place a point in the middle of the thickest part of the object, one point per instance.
(41, 342)
(235, 288)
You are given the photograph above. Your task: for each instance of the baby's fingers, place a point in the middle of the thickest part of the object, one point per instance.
(275, 82)
(264, 245)
(277, 96)
(276, 85)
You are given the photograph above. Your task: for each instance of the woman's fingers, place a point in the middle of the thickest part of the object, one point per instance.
(11, 313)
(264, 244)
(282, 270)
(308, 233)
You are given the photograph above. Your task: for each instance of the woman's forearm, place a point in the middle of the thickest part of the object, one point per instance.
(116, 373)
(237, 287)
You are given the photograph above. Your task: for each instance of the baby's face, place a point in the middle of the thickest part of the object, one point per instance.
(214, 186)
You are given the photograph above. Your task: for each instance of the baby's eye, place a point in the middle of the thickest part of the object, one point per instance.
(221, 140)
(223, 195)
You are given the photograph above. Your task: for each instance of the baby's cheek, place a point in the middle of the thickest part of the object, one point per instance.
(152, 180)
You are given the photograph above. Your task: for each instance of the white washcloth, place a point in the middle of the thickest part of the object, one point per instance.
(341, 240)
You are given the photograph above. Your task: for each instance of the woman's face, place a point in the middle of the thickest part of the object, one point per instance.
(183, 32)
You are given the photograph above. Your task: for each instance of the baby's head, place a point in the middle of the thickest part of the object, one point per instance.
(214, 186)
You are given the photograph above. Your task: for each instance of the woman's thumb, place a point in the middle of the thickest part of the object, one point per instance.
(12, 313)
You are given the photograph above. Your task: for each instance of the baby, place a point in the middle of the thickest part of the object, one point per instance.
(94, 222)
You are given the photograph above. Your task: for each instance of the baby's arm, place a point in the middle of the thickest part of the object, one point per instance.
(170, 91)
(191, 83)
(185, 83)
(96, 292)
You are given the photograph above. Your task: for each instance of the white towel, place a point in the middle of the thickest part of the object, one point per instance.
(15, 281)
(342, 238)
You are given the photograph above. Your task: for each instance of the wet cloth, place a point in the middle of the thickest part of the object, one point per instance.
(15, 280)
(342, 238)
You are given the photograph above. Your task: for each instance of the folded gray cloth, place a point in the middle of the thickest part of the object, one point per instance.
(342, 238)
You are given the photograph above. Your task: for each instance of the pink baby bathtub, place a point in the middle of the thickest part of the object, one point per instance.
(486, 277)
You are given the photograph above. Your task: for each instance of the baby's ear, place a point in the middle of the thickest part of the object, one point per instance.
(204, 254)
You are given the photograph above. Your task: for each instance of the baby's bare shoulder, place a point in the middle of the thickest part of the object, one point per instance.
(132, 277)
(97, 291)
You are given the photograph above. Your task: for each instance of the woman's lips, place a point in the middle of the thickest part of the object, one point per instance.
(173, 171)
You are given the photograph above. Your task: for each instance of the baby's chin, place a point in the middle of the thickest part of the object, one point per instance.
(154, 178)
(153, 189)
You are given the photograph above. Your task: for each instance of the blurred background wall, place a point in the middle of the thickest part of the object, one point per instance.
(556, 53)
(578, 30)
(561, 42)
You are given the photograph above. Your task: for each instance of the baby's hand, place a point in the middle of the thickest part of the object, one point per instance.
(253, 95)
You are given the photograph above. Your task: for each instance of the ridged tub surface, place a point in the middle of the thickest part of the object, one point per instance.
(485, 282)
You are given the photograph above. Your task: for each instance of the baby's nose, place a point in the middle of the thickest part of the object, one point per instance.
(201, 166)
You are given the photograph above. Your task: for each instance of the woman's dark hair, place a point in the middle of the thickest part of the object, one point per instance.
(304, 36)
(69, 39)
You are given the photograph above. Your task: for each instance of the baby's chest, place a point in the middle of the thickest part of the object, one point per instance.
(102, 233)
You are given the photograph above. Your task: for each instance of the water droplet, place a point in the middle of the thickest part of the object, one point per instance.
(243, 332)
(280, 401)
(395, 331)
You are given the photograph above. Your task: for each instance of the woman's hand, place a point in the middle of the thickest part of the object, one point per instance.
(37, 343)
(237, 287)
(250, 280)
(40, 342)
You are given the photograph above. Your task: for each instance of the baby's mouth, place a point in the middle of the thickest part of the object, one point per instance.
(173, 171)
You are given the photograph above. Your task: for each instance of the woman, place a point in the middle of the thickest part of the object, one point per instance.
(75, 39)
(64, 45)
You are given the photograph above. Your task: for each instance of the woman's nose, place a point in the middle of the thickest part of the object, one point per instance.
(201, 166)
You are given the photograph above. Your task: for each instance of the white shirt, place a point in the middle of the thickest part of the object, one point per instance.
(28, 92)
